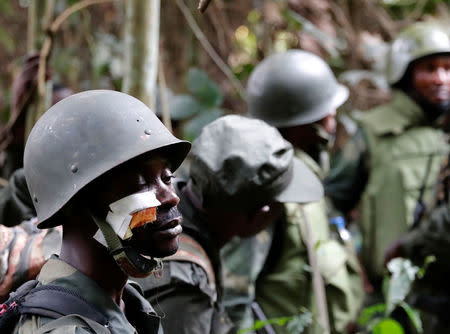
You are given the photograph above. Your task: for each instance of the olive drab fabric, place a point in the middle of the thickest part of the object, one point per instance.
(431, 294)
(404, 155)
(139, 316)
(285, 284)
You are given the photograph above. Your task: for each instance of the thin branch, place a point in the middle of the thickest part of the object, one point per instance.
(165, 111)
(210, 50)
(203, 5)
(46, 48)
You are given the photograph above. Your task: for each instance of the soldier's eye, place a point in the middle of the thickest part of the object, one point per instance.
(167, 178)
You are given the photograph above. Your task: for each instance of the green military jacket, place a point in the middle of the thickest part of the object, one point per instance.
(404, 158)
(59, 273)
(190, 289)
(284, 285)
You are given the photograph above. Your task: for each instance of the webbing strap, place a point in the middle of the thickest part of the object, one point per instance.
(191, 251)
(56, 301)
(131, 262)
(73, 320)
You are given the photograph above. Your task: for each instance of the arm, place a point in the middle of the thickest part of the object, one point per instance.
(15, 201)
(348, 174)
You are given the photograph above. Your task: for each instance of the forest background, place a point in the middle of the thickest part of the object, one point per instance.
(89, 48)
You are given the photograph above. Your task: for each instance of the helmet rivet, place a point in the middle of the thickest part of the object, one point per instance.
(148, 132)
(74, 169)
(35, 198)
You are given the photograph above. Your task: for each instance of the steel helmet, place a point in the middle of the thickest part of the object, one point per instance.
(293, 88)
(82, 137)
(416, 41)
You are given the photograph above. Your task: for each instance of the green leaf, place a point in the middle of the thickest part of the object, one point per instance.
(5, 7)
(370, 312)
(192, 128)
(184, 106)
(388, 326)
(403, 275)
(6, 40)
(203, 88)
(299, 323)
(428, 260)
(260, 324)
(413, 315)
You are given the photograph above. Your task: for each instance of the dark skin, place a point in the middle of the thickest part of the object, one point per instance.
(431, 78)
(158, 239)
(224, 225)
(305, 136)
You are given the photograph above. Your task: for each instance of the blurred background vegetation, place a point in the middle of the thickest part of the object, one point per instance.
(88, 50)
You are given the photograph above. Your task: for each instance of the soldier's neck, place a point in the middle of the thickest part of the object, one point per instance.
(92, 259)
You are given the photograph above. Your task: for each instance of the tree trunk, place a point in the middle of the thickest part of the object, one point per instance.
(141, 49)
(40, 15)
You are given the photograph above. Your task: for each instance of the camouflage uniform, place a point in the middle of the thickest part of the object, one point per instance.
(240, 167)
(284, 285)
(394, 160)
(398, 153)
(432, 294)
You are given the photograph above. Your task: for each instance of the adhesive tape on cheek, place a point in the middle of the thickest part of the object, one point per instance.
(121, 212)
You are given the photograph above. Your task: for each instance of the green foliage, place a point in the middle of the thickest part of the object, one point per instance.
(199, 108)
(203, 88)
(6, 40)
(295, 324)
(300, 322)
(193, 128)
(388, 326)
(5, 7)
(396, 287)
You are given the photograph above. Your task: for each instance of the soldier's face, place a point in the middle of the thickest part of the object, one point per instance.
(431, 79)
(158, 238)
(329, 122)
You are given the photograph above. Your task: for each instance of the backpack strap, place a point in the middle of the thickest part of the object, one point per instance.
(55, 302)
(74, 320)
(190, 250)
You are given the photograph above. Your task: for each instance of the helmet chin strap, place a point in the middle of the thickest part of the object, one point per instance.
(129, 260)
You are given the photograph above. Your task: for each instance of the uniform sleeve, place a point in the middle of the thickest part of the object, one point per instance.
(431, 237)
(15, 201)
(348, 174)
(243, 260)
(183, 303)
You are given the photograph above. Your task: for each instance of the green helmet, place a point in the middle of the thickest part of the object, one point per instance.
(84, 136)
(416, 41)
(293, 88)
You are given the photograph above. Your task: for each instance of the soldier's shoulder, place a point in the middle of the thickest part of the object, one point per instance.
(30, 324)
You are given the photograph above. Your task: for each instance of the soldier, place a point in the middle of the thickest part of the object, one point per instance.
(241, 169)
(297, 92)
(391, 164)
(99, 163)
(431, 294)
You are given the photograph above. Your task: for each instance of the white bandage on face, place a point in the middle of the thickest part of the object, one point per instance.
(121, 212)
